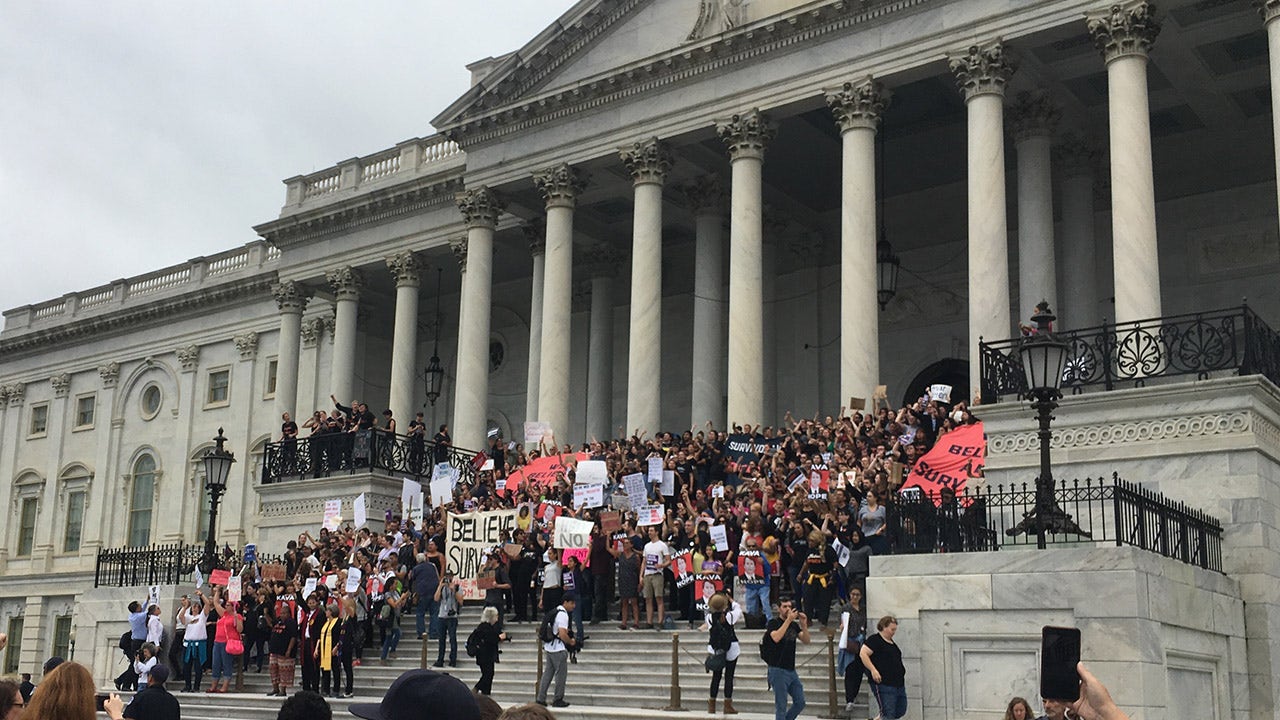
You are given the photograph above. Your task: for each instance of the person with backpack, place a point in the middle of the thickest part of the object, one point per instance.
(778, 650)
(722, 648)
(449, 598)
(482, 644)
(556, 640)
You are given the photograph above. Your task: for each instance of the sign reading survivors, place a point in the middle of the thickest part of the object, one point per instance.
(468, 537)
(957, 456)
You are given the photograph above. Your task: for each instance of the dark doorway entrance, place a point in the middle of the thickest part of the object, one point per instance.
(951, 372)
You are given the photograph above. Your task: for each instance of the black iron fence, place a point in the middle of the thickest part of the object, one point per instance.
(1103, 511)
(170, 564)
(366, 450)
(1113, 356)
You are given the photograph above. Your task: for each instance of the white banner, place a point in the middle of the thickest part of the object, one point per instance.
(572, 533)
(409, 492)
(591, 496)
(591, 472)
(354, 574)
(361, 513)
(332, 514)
(467, 537)
(650, 515)
(940, 393)
(720, 537)
(441, 492)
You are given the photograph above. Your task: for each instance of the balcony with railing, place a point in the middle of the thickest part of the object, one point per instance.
(372, 451)
(1233, 341)
(414, 158)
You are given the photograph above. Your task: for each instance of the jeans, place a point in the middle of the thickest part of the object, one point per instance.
(892, 700)
(224, 667)
(433, 622)
(575, 618)
(558, 669)
(447, 626)
(786, 683)
(393, 639)
(758, 599)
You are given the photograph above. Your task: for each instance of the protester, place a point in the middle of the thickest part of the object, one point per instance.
(723, 648)
(853, 630)
(882, 658)
(449, 596)
(1019, 709)
(227, 634)
(486, 636)
(305, 705)
(283, 646)
(153, 702)
(11, 701)
(327, 647)
(26, 687)
(555, 648)
(67, 693)
(195, 641)
(419, 692)
(780, 638)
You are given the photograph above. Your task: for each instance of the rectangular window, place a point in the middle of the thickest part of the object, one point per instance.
(75, 522)
(219, 387)
(62, 636)
(85, 405)
(39, 420)
(271, 379)
(27, 527)
(13, 652)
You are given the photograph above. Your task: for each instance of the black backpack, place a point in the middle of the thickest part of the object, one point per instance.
(770, 651)
(126, 644)
(473, 643)
(547, 629)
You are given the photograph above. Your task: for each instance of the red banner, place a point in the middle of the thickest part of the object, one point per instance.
(543, 471)
(957, 456)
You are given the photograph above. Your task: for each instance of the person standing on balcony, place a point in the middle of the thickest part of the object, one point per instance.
(417, 443)
(443, 443)
(288, 444)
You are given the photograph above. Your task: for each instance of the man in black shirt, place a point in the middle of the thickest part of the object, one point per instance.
(154, 702)
(780, 643)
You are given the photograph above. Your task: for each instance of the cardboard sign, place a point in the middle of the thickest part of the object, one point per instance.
(857, 403)
(591, 496)
(572, 533)
(610, 522)
(591, 472)
(650, 515)
(468, 537)
(703, 588)
(940, 393)
(636, 491)
(361, 512)
(682, 568)
(486, 580)
(332, 514)
(512, 550)
(273, 571)
(354, 575)
(233, 588)
(219, 577)
(957, 456)
(751, 567)
(720, 536)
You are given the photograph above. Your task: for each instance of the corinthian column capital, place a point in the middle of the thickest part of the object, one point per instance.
(746, 134)
(559, 185)
(480, 206)
(648, 161)
(406, 268)
(346, 282)
(1268, 9)
(1075, 155)
(1125, 29)
(459, 248)
(982, 70)
(704, 194)
(291, 296)
(535, 233)
(1032, 114)
(858, 105)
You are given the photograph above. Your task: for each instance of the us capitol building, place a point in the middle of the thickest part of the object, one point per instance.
(662, 212)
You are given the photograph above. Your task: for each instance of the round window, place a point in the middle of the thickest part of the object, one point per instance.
(151, 399)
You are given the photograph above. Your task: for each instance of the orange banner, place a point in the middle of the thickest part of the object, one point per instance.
(957, 456)
(543, 471)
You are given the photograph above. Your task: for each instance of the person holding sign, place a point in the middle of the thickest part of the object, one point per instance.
(753, 573)
(816, 577)
(657, 557)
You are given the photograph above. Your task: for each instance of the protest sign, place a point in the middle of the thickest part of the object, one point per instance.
(535, 432)
(486, 580)
(353, 579)
(361, 512)
(549, 510)
(591, 496)
(591, 472)
(796, 479)
(468, 536)
(153, 595)
(273, 571)
(572, 533)
(332, 514)
(233, 588)
(682, 568)
(197, 578)
(703, 588)
(634, 485)
(441, 492)
(742, 448)
(717, 491)
(620, 541)
(250, 553)
(720, 537)
(654, 475)
(649, 515)
(751, 567)
(668, 483)
(512, 550)
(410, 490)
(544, 470)
(940, 393)
(309, 588)
(219, 577)
(610, 522)
(582, 554)
(487, 466)
(842, 552)
(442, 471)
(957, 456)
(819, 484)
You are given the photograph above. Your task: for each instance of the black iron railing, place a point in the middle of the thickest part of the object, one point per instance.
(1116, 356)
(1106, 511)
(366, 450)
(160, 564)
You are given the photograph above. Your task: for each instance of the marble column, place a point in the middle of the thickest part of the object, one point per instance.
(648, 162)
(346, 282)
(533, 232)
(704, 197)
(857, 108)
(480, 209)
(560, 186)
(291, 298)
(406, 268)
(745, 135)
(1032, 119)
(602, 271)
(981, 74)
(1125, 35)
(1076, 159)
(1270, 10)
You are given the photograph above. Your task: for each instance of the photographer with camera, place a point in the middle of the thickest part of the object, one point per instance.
(449, 596)
(778, 650)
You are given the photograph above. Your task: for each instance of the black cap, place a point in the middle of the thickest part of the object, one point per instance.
(52, 663)
(160, 674)
(417, 690)
(569, 596)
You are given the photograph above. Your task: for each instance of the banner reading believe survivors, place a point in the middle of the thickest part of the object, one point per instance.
(957, 456)
(467, 537)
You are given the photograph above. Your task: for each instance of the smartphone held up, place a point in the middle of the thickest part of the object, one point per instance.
(1059, 656)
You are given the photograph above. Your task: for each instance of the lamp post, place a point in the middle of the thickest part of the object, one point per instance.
(1044, 356)
(887, 266)
(217, 466)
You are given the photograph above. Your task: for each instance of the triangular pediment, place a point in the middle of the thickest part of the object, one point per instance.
(598, 37)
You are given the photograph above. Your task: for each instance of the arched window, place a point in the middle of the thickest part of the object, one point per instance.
(142, 500)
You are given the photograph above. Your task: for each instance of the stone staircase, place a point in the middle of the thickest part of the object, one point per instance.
(619, 674)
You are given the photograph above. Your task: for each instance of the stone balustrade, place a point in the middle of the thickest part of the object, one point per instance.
(406, 160)
(188, 276)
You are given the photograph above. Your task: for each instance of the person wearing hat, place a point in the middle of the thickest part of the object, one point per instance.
(557, 652)
(154, 702)
(422, 691)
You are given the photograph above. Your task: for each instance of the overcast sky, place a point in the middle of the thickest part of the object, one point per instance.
(137, 135)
